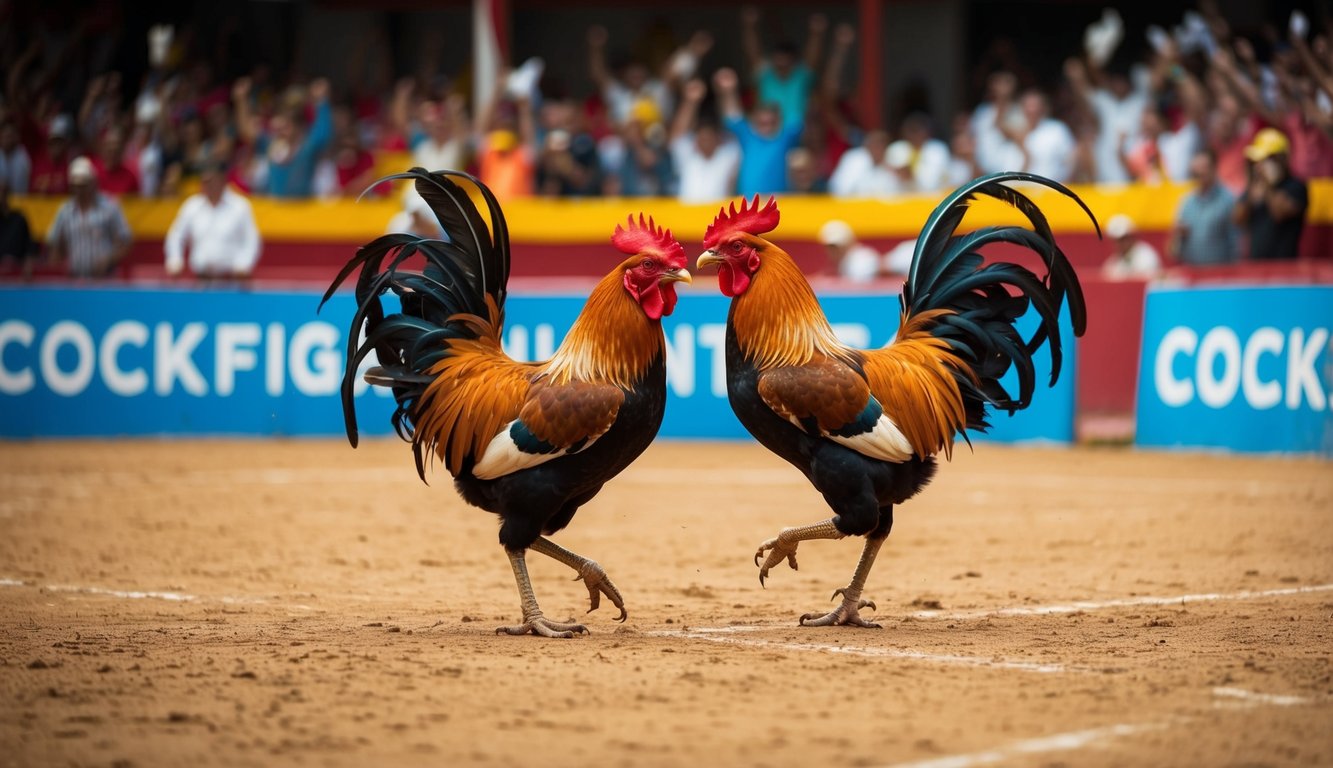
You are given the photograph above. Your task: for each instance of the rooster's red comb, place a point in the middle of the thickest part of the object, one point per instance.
(646, 237)
(750, 219)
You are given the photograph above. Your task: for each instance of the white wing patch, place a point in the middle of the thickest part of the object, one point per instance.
(885, 442)
(503, 456)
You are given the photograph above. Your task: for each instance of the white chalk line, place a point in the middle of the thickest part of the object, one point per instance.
(1060, 742)
(1075, 740)
(717, 636)
(137, 594)
(1125, 602)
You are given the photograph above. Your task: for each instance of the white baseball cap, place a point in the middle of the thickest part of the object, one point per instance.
(836, 232)
(1119, 226)
(81, 169)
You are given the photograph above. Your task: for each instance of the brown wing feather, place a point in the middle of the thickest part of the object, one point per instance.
(913, 380)
(476, 391)
(564, 414)
(830, 391)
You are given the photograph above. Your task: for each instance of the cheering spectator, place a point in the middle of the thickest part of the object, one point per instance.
(764, 139)
(218, 227)
(1116, 107)
(89, 232)
(990, 121)
(1272, 211)
(864, 171)
(15, 237)
(291, 152)
(1045, 144)
(1131, 258)
(634, 85)
(705, 161)
(640, 165)
(1204, 233)
(113, 176)
(803, 173)
(852, 260)
(50, 166)
(442, 140)
(15, 165)
(920, 160)
(783, 79)
(506, 162)
(963, 165)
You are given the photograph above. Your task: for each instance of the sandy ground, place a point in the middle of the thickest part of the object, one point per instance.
(301, 603)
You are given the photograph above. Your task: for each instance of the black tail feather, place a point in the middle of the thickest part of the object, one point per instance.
(460, 274)
(984, 300)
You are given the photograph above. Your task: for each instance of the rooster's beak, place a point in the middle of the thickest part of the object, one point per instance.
(708, 258)
(677, 276)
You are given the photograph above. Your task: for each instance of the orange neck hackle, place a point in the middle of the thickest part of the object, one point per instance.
(778, 320)
(612, 340)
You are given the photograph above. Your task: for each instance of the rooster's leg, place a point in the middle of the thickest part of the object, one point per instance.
(849, 611)
(533, 620)
(783, 546)
(592, 574)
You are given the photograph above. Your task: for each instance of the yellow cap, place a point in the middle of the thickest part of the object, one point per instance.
(1267, 142)
(502, 140)
(645, 112)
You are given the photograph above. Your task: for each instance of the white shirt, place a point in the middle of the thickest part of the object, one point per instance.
(860, 263)
(1050, 150)
(223, 239)
(436, 157)
(930, 166)
(860, 175)
(1140, 262)
(1115, 118)
(705, 179)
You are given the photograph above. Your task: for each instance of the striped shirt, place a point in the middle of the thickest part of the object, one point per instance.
(89, 236)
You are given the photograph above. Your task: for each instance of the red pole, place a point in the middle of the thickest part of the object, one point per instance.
(870, 92)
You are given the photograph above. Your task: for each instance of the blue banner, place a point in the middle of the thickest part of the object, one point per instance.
(106, 362)
(1246, 369)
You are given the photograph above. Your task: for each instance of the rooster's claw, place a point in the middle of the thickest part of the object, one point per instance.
(598, 583)
(778, 549)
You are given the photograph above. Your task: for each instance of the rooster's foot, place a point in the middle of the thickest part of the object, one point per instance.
(540, 625)
(779, 548)
(598, 583)
(847, 614)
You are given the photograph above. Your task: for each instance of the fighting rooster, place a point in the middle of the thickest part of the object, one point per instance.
(530, 442)
(865, 426)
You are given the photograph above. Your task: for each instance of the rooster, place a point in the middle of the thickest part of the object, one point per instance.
(865, 426)
(529, 442)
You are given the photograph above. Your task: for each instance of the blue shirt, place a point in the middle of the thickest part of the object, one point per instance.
(294, 177)
(791, 93)
(763, 158)
(1209, 233)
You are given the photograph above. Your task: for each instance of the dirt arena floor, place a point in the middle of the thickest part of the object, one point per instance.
(301, 603)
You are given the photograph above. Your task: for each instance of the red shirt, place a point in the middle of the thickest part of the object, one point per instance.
(50, 175)
(117, 180)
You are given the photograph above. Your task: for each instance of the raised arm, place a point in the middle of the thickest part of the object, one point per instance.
(246, 126)
(597, 70)
(728, 100)
(830, 85)
(754, 53)
(691, 95)
(814, 41)
(1244, 88)
(1321, 76)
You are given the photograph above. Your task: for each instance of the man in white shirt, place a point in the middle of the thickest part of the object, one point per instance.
(853, 260)
(864, 171)
(920, 160)
(219, 226)
(706, 160)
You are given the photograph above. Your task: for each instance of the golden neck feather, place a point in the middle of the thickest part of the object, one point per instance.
(612, 340)
(778, 319)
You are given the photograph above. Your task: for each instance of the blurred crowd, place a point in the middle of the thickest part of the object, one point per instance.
(1243, 116)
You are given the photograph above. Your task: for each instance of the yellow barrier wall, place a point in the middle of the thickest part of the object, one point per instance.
(544, 220)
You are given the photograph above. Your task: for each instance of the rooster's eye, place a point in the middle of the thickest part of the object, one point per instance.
(647, 264)
(735, 245)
